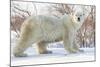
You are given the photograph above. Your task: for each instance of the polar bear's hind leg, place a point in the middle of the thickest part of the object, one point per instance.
(42, 48)
(24, 41)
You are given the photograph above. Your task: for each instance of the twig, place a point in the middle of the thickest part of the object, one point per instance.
(35, 8)
(22, 10)
(15, 29)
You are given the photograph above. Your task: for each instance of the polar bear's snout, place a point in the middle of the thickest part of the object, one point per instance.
(78, 19)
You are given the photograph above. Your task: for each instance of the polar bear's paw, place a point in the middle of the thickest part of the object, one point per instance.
(76, 51)
(80, 50)
(46, 52)
(21, 55)
(72, 51)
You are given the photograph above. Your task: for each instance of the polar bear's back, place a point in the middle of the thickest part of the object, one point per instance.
(51, 27)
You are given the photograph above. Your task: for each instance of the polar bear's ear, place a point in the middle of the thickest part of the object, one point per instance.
(72, 14)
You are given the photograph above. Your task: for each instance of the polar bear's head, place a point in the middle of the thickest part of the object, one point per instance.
(80, 13)
(80, 16)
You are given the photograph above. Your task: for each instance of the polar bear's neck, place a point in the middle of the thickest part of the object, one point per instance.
(70, 21)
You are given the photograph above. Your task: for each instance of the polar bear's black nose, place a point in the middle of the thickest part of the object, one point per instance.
(78, 18)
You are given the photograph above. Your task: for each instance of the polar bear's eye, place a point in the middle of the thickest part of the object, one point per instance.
(80, 15)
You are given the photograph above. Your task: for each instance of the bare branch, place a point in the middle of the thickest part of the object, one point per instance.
(35, 7)
(22, 10)
(19, 13)
(12, 24)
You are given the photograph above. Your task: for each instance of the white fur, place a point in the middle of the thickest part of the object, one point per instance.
(45, 29)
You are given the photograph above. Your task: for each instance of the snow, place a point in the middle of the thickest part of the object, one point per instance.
(13, 37)
(59, 55)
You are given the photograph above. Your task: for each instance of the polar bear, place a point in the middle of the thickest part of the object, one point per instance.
(43, 29)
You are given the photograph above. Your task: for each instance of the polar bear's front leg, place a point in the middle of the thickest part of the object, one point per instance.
(76, 47)
(68, 41)
(42, 48)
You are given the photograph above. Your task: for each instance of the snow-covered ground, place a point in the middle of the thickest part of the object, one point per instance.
(59, 55)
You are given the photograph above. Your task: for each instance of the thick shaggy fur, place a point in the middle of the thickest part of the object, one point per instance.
(45, 29)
